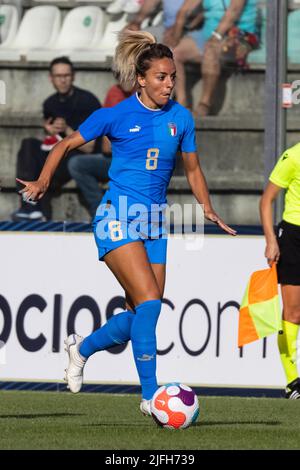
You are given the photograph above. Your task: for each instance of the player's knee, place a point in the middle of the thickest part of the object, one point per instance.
(292, 314)
(149, 293)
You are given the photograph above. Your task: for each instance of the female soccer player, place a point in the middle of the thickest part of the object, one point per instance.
(283, 248)
(146, 131)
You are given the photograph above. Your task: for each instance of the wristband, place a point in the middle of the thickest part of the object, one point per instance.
(217, 35)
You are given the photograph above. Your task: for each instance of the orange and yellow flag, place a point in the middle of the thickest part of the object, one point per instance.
(260, 313)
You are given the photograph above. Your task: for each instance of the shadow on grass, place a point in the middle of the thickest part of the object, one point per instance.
(33, 416)
(195, 425)
(119, 425)
(230, 423)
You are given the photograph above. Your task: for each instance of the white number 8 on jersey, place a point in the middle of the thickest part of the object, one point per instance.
(152, 156)
(115, 231)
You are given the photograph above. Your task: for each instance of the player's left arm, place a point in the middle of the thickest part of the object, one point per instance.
(199, 188)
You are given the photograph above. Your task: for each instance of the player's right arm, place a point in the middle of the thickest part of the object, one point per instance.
(96, 125)
(272, 251)
(34, 190)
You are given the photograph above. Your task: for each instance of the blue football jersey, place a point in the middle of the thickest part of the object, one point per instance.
(144, 146)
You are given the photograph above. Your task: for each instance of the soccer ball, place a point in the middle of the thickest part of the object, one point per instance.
(174, 406)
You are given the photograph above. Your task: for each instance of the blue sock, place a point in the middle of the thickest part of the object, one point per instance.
(115, 331)
(143, 340)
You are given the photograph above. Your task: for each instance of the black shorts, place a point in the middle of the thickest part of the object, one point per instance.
(288, 267)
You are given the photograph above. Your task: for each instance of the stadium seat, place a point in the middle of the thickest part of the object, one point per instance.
(9, 22)
(158, 19)
(106, 46)
(259, 55)
(82, 29)
(39, 26)
(133, 6)
(145, 24)
(124, 6)
(116, 7)
(294, 37)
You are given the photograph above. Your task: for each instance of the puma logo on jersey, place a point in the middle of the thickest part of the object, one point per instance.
(135, 129)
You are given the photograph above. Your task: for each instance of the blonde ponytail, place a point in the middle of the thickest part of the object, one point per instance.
(131, 45)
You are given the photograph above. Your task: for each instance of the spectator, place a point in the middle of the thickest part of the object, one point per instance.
(63, 113)
(91, 169)
(204, 45)
(170, 9)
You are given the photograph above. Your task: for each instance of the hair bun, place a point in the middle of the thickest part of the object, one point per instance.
(131, 45)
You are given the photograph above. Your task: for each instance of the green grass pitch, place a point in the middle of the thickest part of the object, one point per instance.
(50, 420)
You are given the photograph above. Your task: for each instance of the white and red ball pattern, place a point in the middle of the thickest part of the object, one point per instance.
(175, 406)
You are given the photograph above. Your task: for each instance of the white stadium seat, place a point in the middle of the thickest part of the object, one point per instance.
(82, 28)
(9, 22)
(133, 6)
(124, 6)
(105, 48)
(145, 24)
(158, 19)
(40, 26)
(116, 7)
